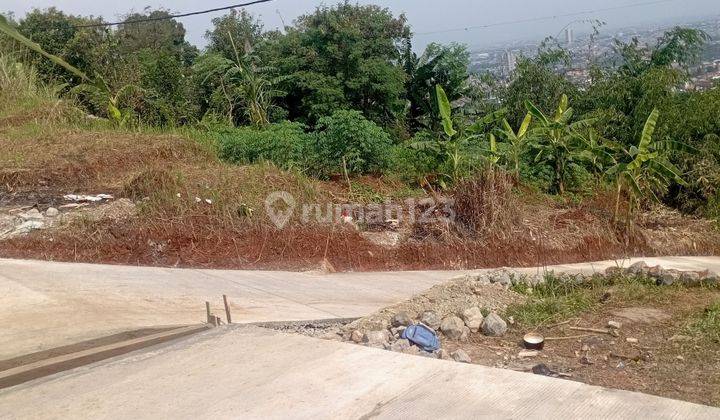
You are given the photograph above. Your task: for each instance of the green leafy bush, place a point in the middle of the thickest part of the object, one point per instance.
(364, 146)
(285, 144)
(412, 165)
(415, 159)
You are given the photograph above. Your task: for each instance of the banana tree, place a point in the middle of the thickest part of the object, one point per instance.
(598, 152)
(558, 143)
(517, 142)
(646, 171)
(466, 144)
(101, 92)
(453, 143)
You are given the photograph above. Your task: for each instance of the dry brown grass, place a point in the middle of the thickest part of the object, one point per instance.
(486, 203)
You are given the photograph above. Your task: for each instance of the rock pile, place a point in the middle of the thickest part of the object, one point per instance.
(454, 327)
(665, 277)
(471, 305)
(22, 223)
(660, 274)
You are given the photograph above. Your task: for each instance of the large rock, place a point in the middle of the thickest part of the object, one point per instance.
(452, 327)
(431, 319)
(465, 336)
(637, 269)
(494, 326)
(400, 345)
(473, 318)
(443, 354)
(501, 276)
(413, 350)
(711, 278)
(402, 319)
(357, 336)
(690, 278)
(377, 339)
(656, 271)
(461, 356)
(26, 227)
(397, 332)
(534, 279)
(32, 214)
(669, 277)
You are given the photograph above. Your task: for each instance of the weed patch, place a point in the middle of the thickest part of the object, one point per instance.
(707, 325)
(560, 298)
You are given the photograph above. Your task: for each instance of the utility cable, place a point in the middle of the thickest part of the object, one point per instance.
(179, 15)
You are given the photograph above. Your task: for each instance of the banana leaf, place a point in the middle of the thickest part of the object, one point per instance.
(6, 28)
(445, 111)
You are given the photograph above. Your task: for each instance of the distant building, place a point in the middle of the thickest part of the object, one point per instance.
(569, 36)
(510, 62)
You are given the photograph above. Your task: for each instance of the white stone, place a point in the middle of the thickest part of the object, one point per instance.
(473, 318)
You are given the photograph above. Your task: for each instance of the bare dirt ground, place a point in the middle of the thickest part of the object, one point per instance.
(667, 343)
(665, 361)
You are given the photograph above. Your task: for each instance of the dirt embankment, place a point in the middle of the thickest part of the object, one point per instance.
(193, 211)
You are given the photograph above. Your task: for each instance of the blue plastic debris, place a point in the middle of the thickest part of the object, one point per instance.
(422, 336)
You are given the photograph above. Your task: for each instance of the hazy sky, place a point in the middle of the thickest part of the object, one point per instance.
(423, 15)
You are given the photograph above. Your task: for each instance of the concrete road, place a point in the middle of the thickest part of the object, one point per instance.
(46, 304)
(251, 373)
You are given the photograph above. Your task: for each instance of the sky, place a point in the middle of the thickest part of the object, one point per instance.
(424, 16)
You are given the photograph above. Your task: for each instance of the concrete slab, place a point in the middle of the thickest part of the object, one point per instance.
(49, 304)
(252, 373)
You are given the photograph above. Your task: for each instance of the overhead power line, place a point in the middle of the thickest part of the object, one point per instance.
(552, 17)
(179, 15)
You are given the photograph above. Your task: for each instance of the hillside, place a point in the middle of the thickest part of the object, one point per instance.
(329, 147)
(154, 218)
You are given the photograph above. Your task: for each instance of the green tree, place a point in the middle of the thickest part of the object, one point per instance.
(643, 78)
(347, 140)
(517, 143)
(461, 148)
(346, 56)
(444, 65)
(164, 35)
(237, 28)
(538, 80)
(93, 50)
(694, 118)
(238, 83)
(52, 30)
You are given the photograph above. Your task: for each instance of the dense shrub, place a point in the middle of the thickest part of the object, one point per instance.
(411, 165)
(285, 144)
(411, 162)
(347, 134)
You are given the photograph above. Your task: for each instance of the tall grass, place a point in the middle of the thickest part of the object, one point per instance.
(27, 100)
(20, 82)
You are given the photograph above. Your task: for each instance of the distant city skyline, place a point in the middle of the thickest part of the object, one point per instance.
(429, 21)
